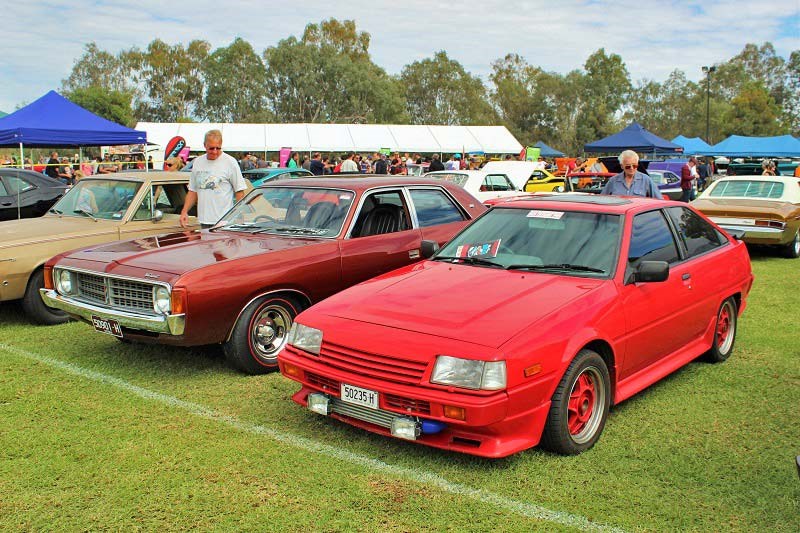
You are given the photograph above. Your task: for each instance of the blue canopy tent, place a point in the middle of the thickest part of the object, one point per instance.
(547, 151)
(693, 145)
(737, 145)
(634, 137)
(52, 120)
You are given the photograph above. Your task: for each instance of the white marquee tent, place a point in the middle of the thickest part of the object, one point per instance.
(339, 137)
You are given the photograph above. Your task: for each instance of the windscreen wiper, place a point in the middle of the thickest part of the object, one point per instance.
(56, 211)
(557, 266)
(468, 260)
(294, 229)
(86, 213)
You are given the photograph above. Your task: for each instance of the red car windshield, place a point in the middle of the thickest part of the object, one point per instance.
(571, 242)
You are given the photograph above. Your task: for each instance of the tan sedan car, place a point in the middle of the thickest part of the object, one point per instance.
(98, 209)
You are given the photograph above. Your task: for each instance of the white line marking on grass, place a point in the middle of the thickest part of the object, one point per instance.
(525, 509)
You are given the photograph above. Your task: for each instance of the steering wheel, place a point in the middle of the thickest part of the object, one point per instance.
(264, 218)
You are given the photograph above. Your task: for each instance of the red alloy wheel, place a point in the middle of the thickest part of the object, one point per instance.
(582, 402)
(723, 326)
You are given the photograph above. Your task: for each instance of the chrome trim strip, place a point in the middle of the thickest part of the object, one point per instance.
(169, 324)
(750, 229)
(115, 276)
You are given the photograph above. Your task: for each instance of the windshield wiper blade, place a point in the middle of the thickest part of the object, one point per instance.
(56, 211)
(86, 213)
(557, 266)
(468, 260)
(294, 229)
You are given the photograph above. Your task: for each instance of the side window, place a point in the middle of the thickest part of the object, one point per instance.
(3, 191)
(381, 212)
(651, 240)
(170, 197)
(18, 185)
(434, 207)
(144, 211)
(698, 235)
(497, 182)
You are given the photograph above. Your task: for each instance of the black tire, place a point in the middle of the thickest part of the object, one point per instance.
(724, 333)
(579, 407)
(34, 306)
(260, 333)
(792, 250)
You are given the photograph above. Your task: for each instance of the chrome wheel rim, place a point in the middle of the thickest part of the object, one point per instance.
(586, 405)
(269, 330)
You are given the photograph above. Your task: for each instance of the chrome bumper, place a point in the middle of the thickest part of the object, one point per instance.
(170, 324)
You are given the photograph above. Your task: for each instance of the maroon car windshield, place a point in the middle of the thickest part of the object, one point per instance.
(306, 211)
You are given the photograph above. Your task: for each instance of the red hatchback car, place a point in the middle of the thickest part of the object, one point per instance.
(526, 327)
(283, 247)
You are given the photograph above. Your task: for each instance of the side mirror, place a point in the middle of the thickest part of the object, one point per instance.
(560, 188)
(158, 214)
(649, 271)
(429, 248)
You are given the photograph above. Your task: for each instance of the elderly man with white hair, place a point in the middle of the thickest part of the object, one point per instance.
(631, 182)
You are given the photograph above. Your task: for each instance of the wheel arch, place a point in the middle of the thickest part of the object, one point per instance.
(298, 296)
(604, 350)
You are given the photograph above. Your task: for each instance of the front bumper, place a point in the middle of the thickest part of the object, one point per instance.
(496, 425)
(169, 324)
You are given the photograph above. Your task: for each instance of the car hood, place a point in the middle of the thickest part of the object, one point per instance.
(484, 306)
(49, 228)
(178, 253)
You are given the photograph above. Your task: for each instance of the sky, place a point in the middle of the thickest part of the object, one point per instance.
(43, 39)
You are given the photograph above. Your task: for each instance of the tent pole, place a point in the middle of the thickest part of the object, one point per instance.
(21, 162)
(21, 156)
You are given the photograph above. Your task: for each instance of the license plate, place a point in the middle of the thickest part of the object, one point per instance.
(359, 396)
(104, 325)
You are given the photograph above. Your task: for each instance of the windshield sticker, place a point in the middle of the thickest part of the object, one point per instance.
(488, 249)
(553, 215)
(116, 215)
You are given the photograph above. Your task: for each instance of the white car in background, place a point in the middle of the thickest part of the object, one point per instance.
(479, 183)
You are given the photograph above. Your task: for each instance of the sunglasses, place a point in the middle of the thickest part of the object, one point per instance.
(629, 167)
(213, 148)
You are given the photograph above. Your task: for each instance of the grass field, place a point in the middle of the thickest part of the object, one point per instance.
(96, 434)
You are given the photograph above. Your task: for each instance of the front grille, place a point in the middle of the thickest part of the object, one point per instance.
(324, 383)
(116, 293)
(407, 404)
(373, 416)
(384, 367)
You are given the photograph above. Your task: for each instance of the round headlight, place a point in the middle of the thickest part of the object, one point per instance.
(161, 301)
(65, 281)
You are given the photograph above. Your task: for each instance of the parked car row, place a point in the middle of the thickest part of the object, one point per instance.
(402, 305)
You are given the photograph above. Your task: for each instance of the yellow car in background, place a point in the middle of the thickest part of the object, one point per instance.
(542, 180)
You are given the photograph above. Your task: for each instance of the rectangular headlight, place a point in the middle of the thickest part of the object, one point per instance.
(305, 338)
(469, 374)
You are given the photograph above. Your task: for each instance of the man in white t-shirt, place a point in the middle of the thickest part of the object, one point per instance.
(216, 180)
(348, 165)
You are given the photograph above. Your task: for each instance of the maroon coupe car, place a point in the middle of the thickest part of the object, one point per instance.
(282, 248)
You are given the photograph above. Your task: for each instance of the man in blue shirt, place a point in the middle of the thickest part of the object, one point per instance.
(631, 182)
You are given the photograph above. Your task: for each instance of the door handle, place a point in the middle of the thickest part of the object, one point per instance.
(413, 254)
(6, 204)
(686, 276)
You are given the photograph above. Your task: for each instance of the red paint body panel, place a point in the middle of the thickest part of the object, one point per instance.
(407, 317)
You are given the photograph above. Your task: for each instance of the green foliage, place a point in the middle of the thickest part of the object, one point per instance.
(111, 105)
(235, 79)
(753, 112)
(439, 91)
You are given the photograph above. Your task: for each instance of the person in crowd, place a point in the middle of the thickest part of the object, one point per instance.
(306, 164)
(687, 177)
(349, 166)
(797, 171)
(382, 165)
(767, 168)
(436, 163)
(86, 200)
(245, 163)
(397, 165)
(215, 182)
(631, 182)
(107, 166)
(452, 164)
(150, 162)
(703, 174)
(52, 166)
(65, 171)
(364, 165)
(294, 160)
(174, 163)
(315, 166)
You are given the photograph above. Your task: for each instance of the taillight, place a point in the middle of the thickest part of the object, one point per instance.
(770, 224)
(178, 301)
(48, 278)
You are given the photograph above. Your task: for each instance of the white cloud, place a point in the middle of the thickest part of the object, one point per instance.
(44, 38)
